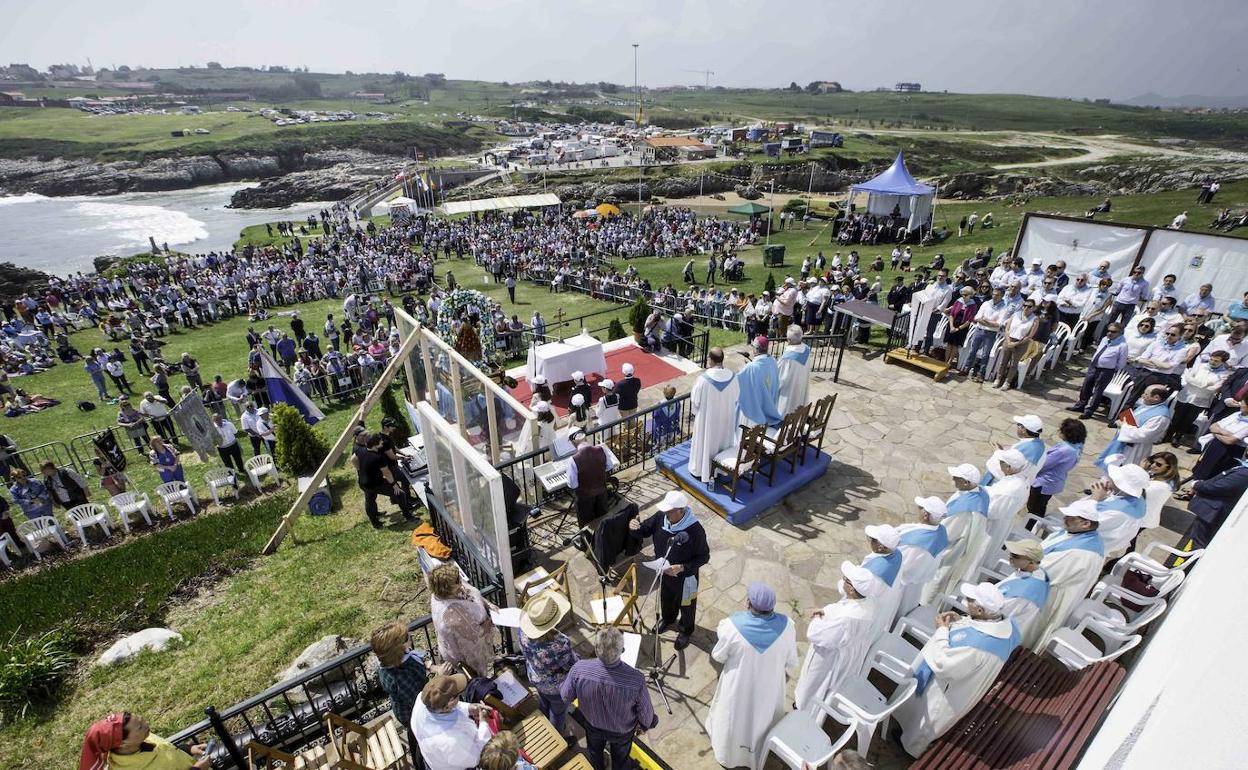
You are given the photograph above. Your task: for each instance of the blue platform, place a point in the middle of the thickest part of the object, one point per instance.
(674, 463)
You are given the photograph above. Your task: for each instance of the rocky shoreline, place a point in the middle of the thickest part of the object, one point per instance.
(284, 178)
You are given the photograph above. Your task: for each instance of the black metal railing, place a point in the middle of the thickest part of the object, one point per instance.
(633, 439)
(825, 350)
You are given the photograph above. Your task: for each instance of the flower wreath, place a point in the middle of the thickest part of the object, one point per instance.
(457, 303)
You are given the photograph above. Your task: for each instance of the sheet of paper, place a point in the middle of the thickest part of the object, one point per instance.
(658, 565)
(507, 616)
(511, 688)
(632, 646)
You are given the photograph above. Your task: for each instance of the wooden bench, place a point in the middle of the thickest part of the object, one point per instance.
(540, 740)
(1036, 716)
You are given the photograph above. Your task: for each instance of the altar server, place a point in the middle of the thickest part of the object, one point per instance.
(1120, 500)
(1028, 428)
(965, 522)
(884, 562)
(1072, 559)
(839, 636)
(1006, 498)
(714, 405)
(1026, 589)
(794, 370)
(921, 545)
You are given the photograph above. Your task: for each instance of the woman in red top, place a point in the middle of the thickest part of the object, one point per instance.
(961, 315)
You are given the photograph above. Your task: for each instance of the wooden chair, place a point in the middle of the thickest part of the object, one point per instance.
(816, 425)
(540, 740)
(743, 459)
(262, 757)
(534, 582)
(374, 746)
(621, 602)
(579, 762)
(786, 443)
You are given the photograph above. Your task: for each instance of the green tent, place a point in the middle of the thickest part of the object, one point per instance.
(749, 209)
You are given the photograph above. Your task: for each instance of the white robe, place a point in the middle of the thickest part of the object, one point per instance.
(1137, 441)
(749, 698)
(1118, 529)
(1023, 612)
(1072, 574)
(922, 306)
(886, 602)
(714, 421)
(918, 565)
(838, 644)
(960, 678)
(1007, 497)
(959, 562)
(794, 381)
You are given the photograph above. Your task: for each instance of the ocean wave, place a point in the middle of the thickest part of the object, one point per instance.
(12, 200)
(134, 223)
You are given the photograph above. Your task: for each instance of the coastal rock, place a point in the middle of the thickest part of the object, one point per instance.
(154, 639)
(16, 281)
(327, 184)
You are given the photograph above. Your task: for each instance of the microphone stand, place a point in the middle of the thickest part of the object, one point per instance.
(603, 578)
(657, 672)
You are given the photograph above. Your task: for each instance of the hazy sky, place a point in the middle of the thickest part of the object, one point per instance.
(1112, 48)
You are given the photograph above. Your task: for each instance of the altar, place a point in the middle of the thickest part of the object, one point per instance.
(557, 360)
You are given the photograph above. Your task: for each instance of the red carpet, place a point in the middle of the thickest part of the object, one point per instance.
(650, 369)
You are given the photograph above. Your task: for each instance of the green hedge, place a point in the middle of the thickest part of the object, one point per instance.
(123, 589)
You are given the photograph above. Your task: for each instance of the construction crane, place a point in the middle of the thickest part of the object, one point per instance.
(707, 73)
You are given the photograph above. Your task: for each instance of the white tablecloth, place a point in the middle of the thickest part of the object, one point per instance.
(557, 360)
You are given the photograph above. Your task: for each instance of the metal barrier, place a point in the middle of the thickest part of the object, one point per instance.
(56, 452)
(291, 715)
(826, 350)
(633, 439)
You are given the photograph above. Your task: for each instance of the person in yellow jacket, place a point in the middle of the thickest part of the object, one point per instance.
(124, 741)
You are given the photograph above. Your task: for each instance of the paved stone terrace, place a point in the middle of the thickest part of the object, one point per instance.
(892, 435)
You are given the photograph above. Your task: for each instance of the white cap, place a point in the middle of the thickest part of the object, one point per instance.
(262, 410)
(542, 406)
(862, 579)
(1130, 479)
(1082, 509)
(578, 399)
(986, 595)
(966, 471)
(628, 370)
(934, 506)
(1029, 421)
(673, 500)
(540, 379)
(883, 534)
(789, 280)
(1036, 261)
(1050, 298)
(606, 384)
(578, 375)
(1003, 457)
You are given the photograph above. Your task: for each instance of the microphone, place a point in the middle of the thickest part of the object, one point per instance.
(680, 538)
(580, 534)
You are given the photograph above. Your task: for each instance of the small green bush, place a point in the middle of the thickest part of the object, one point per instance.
(32, 670)
(770, 284)
(638, 314)
(300, 447)
(615, 331)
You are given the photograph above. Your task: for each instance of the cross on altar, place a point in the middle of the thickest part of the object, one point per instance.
(559, 321)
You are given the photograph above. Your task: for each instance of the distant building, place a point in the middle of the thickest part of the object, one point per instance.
(367, 96)
(828, 87)
(908, 88)
(1102, 101)
(684, 146)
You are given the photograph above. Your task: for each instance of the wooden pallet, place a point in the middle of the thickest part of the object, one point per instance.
(939, 369)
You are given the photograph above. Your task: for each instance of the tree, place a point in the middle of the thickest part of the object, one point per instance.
(308, 85)
(638, 314)
(770, 285)
(793, 86)
(300, 447)
(215, 65)
(615, 330)
(390, 408)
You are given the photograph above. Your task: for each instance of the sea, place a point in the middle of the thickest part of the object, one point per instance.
(63, 235)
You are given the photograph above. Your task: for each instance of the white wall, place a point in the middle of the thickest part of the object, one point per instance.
(1083, 245)
(1196, 259)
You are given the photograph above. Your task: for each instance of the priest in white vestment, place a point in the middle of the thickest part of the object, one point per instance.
(1006, 498)
(1028, 428)
(1026, 589)
(965, 522)
(1120, 499)
(760, 388)
(920, 544)
(1139, 428)
(714, 404)
(884, 561)
(756, 647)
(1072, 560)
(959, 663)
(839, 636)
(794, 369)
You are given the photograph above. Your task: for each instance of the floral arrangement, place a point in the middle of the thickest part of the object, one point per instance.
(481, 347)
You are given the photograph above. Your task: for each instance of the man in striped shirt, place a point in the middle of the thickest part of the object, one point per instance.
(612, 697)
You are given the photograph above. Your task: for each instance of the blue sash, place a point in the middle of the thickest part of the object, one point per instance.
(1132, 506)
(885, 567)
(1026, 586)
(972, 637)
(931, 540)
(1032, 449)
(719, 386)
(1142, 415)
(1084, 541)
(759, 630)
(686, 521)
(760, 389)
(971, 501)
(795, 355)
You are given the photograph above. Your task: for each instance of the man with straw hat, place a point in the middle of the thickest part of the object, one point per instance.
(839, 636)
(548, 655)
(1026, 589)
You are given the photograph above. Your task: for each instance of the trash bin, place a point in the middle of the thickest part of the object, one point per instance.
(773, 256)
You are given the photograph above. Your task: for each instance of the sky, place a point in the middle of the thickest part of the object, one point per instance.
(1110, 48)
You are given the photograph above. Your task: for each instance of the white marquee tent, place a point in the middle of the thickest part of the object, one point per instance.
(896, 189)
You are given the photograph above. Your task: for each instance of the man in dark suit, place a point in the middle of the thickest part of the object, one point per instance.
(628, 389)
(1233, 390)
(1212, 502)
(678, 534)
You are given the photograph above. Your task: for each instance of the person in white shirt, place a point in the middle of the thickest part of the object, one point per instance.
(1167, 313)
(1167, 287)
(227, 444)
(1179, 221)
(839, 636)
(1234, 343)
(1162, 362)
(1200, 383)
(451, 734)
(1072, 300)
(1019, 331)
(1139, 336)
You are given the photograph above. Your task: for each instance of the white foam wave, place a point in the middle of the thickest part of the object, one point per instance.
(135, 223)
(11, 200)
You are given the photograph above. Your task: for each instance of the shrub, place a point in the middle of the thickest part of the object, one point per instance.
(390, 408)
(615, 331)
(770, 285)
(638, 314)
(300, 447)
(32, 670)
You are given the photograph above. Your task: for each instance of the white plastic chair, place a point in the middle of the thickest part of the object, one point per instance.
(1115, 392)
(42, 529)
(1117, 616)
(857, 700)
(1075, 338)
(175, 492)
(799, 741)
(1075, 651)
(994, 359)
(128, 504)
(895, 647)
(89, 515)
(1146, 562)
(8, 544)
(221, 478)
(260, 466)
(920, 622)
